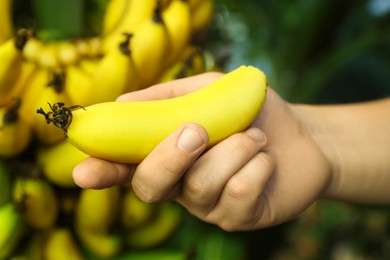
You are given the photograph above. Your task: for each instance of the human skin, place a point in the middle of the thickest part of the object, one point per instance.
(291, 155)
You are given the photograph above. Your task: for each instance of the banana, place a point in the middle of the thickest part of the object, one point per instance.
(11, 60)
(40, 202)
(12, 228)
(128, 131)
(5, 184)
(135, 212)
(97, 210)
(177, 18)
(57, 162)
(21, 84)
(62, 245)
(114, 75)
(31, 49)
(45, 87)
(47, 57)
(103, 245)
(150, 47)
(15, 132)
(202, 16)
(129, 18)
(113, 14)
(6, 24)
(157, 230)
(67, 53)
(191, 63)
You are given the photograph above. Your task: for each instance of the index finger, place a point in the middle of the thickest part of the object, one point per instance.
(173, 88)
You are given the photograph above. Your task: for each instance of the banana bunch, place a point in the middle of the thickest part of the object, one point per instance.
(44, 214)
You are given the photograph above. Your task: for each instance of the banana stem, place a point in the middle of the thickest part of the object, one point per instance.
(60, 19)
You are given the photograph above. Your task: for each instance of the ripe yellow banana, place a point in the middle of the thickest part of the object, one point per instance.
(40, 202)
(132, 15)
(15, 132)
(102, 245)
(166, 221)
(12, 228)
(135, 212)
(128, 131)
(202, 15)
(11, 60)
(150, 48)
(177, 18)
(62, 245)
(57, 162)
(97, 210)
(45, 87)
(114, 75)
(6, 24)
(21, 84)
(114, 13)
(191, 62)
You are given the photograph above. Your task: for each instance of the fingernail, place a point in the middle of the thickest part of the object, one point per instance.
(256, 134)
(190, 140)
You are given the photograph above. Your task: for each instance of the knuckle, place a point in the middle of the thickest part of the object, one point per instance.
(145, 194)
(237, 189)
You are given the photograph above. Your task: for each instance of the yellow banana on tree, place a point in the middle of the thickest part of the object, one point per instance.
(150, 48)
(202, 15)
(101, 244)
(114, 13)
(177, 18)
(12, 228)
(133, 13)
(6, 23)
(128, 131)
(61, 244)
(15, 132)
(57, 162)
(135, 212)
(46, 88)
(114, 75)
(159, 229)
(97, 210)
(21, 84)
(11, 60)
(40, 202)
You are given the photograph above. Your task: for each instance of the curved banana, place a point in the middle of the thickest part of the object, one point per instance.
(57, 162)
(6, 24)
(191, 62)
(5, 184)
(167, 219)
(133, 14)
(202, 16)
(135, 212)
(150, 48)
(11, 60)
(104, 245)
(40, 202)
(62, 245)
(128, 131)
(114, 13)
(177, 18)
(15, 132)
(114, 75)
(12, 228)
(67, 53)
(21, 84)
(97, 210)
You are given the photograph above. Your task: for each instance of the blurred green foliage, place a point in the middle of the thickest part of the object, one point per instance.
(312, 51)
(324, 51)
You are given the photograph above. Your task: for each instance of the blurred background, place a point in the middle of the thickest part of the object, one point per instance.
(324, 51)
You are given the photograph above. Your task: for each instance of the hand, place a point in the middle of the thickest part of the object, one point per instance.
(253, 179)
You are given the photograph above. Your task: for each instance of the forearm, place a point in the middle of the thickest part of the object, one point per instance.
(355, 139)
